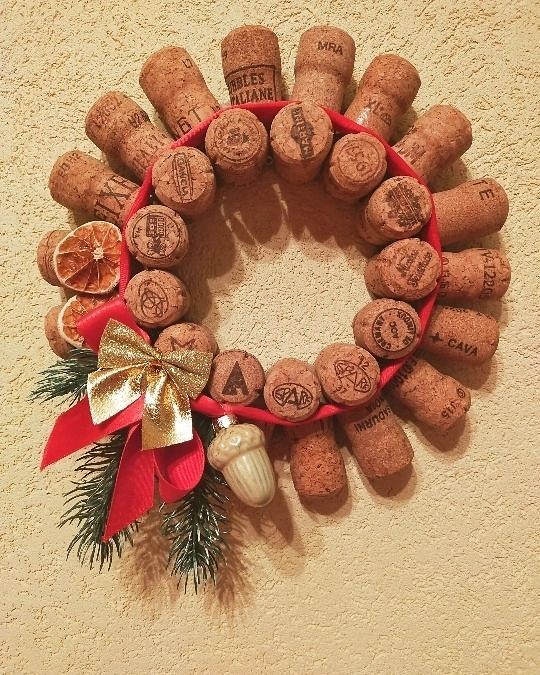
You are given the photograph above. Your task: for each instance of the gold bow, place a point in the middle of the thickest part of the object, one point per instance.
(129, 368)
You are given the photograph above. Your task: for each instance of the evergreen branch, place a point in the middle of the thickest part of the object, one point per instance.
(66, 378)
(89, 501)
(196, 525)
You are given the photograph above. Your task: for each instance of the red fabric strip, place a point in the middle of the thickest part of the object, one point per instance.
(179, 468)
(133, 493)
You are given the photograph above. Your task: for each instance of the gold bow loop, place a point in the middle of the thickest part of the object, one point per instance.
(129, 368)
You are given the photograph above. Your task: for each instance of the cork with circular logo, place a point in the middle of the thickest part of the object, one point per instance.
(237, 144)
(389, 329)
(183, 180)
(156, 298)
(292, 390)
(186, 336)
(357, 164)
(349, 375)
(45, 255)
(399, 208)
(56, 342)
(406, 269)
(157, 237)
(301, 137)
(237, 377)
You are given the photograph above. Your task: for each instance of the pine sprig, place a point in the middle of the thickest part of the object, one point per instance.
(89, 502)
(66, 379)
(196, 526)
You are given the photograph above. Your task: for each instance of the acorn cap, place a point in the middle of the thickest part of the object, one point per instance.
(233, 442)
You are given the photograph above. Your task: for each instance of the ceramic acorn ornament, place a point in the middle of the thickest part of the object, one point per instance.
(238, 451)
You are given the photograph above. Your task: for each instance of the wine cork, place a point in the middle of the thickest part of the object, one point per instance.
(237, 144)
(301, 137)
(292, 390)
(237, 377)
(474, 274)
(82, 183)
(461, 334)
(323, 67)
(56, 342)
(157, 237)
(437, 138)
(389, 329)
(317, 467)
(45, 254)
(357, 164)
(385, 93)
(349, 375)
(436, 400)
(184, 181)
(470, 210)
(121, 128)
(376, 439)
(399, 208)
(177, 90)
(406, 270)
(156, 298)
(186, 335)
(251, 65)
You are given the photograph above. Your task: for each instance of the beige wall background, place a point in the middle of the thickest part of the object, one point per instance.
(439, 575)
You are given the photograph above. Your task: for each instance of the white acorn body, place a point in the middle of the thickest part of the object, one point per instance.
(239, 453)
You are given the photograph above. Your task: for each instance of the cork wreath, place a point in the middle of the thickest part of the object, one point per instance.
(152, 394)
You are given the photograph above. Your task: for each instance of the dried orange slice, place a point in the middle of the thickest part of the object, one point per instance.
(87, 260)
(74, 310)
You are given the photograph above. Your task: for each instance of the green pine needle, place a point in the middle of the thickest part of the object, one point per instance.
(196, 525)
(89, 502)
(66, 379)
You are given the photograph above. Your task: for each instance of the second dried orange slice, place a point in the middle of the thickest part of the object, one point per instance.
(72, 312)
(87, 260)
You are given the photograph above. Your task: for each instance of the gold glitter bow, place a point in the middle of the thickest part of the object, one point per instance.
(129, 368)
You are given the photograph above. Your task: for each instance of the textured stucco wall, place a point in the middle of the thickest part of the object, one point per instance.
(440, 578)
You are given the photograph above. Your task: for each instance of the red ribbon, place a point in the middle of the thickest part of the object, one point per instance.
(179, 468)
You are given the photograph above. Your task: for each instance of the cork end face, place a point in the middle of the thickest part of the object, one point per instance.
(389, 329)
(236, 378)
(157, 298)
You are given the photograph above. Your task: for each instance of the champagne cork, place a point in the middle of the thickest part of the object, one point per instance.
(437, 138)
(323, 67)
(376, 439)
(156, 298)
(349, 375)
(389, 329)
(292, 390)
(157, 237)
(357, 164)
(45, 254)
(317, 467)
(461, 334)
(237, 145)
(301, 137)
(474, 274)
(251, 65)
(436, 400)
(121, 128)
(385, 93)
(184, 181)
(406, 270)
(470, 210)
(82, 183)
(177, 90)
(399, 208)
(186, 335)
(56, 342)
(237, 377)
